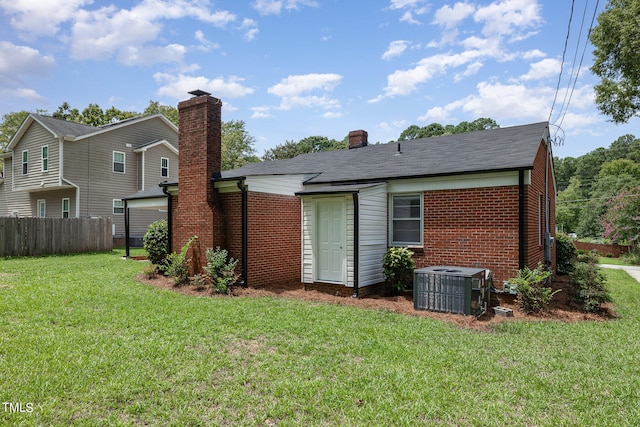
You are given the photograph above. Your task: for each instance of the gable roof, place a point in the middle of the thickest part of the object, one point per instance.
(501, 149)
(73, 131)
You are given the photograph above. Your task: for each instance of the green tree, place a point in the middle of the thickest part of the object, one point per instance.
(564, 170)
(436, 129)
(311, 144)
(168, 111)
(237, 145)
(622, 220)
(65, 112)
(616, 38)
(569, 206)
(614, 177)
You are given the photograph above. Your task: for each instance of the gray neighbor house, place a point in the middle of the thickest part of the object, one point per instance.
(60, 169)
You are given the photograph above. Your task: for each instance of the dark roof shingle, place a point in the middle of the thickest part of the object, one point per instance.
(492, 150)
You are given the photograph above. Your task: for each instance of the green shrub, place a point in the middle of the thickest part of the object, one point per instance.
(589, 257)
(155, 242)
(200, 281)
(587, 287)
(221, 270)
(533, 296)
(566, 253)
(398, 269)
(177, 264)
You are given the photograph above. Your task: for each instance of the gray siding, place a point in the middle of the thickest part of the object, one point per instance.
(33, 140)
(152, 174)
(14, 201)
(89, 164)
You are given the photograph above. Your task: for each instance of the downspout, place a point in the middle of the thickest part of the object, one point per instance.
(62, 178)
(356, 244)
(521, 230)
(547, 233)
(245, 230)
(169, 217)
(126, 229)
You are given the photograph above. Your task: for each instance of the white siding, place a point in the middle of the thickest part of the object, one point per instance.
(373, 234)
(349, 226)
(308, 255)
(454, 182)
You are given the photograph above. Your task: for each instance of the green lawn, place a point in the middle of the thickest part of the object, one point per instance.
(613, 261)
(82, 343)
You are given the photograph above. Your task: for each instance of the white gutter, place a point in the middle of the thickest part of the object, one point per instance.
(61, 174)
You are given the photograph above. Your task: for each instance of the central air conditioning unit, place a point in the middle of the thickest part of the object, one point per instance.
(448, 289)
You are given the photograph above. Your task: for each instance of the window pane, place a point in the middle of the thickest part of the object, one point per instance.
(406, 231)
(406, 207)
(118, 167)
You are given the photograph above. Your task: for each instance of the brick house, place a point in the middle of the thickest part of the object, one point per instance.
(481, 199)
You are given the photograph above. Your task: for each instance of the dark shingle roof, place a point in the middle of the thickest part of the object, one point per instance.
(508, 148)
(63, 127)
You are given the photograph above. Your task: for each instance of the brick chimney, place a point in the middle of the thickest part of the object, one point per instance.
(357, 139)
(199, 159)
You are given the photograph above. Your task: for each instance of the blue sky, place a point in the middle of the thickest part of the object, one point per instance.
(297, 68)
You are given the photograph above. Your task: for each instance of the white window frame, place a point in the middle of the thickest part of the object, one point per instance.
(41, 206)
(118, 204)
(123, 163)
(45, 158)
(25, 162)
(164, 169)
(65, 212)
(392, 219)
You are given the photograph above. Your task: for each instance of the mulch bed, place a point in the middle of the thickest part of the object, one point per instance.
(559, 309)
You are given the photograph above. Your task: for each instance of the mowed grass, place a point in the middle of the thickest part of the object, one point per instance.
(84, 344)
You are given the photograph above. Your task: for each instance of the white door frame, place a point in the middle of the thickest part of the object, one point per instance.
(342, 241)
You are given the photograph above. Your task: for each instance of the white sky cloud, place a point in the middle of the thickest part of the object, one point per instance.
(542, 69)
(17, 61)
(177, 86)
(449, 17)
(507, 17)
(41, 17)
(294, 91)
(275, 7)
(396, 48)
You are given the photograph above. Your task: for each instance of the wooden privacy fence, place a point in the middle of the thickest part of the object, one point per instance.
(54, 236)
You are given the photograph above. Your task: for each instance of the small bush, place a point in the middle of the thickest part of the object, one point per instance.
(532, 295)
(155, 242)
(150, 271)
(609, 255)
(398, 268)
(587, 287)
(177, 264)
(200, 281)
(590, 257)
(566, 253)
(221, 270)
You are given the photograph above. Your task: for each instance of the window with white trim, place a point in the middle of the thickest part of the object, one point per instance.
(405, 216)
(45, 158)
(25, 162)
(42, 208)
(118, 207)
(118, 161)
(65, 207)
(164, 167)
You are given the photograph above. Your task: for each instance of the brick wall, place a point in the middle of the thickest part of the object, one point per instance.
(274, 236)
(535, 221)
(199, 142)
(472, 228)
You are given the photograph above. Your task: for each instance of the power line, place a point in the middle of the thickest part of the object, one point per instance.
(564, 52)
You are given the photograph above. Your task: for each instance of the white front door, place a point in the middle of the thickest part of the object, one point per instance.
(331, 241)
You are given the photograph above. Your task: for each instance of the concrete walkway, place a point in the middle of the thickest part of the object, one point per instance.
(634, 271)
